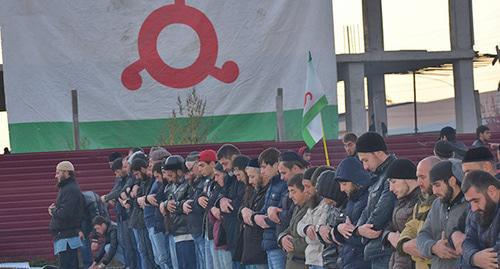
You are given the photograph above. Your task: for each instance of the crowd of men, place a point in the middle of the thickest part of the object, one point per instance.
(225, 210)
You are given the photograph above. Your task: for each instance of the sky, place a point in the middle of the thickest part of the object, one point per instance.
(408, 25)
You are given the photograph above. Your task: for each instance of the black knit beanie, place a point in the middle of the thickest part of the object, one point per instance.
(370, 142)
(402, 169)
(443, 149)
(479, 154)
(253, 163)
(329, 188)
(241, 162)
(444, 170)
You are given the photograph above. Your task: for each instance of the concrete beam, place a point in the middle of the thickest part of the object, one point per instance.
(355, 98)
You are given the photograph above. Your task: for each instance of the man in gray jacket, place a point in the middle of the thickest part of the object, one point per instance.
(434, 239)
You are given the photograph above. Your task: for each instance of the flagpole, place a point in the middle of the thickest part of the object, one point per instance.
(325, 148)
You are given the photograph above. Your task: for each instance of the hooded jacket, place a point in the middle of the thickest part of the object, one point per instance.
(351, 253)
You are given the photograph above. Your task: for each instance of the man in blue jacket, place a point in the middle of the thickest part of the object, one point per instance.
(481, 247)
(268, 160)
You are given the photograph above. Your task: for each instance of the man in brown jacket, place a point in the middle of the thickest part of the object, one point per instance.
(407, 240)
(402, 178)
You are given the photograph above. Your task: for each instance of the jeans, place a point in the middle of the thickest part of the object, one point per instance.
(68, 259)
(186, 254)
(161, 254)
(173, 252)
(209, 262)
(127, 241)
(224, 258)
(199, 244)
(256, 266)
(144, 248)
(86, 253)
(118, 255)
(276, 259)
(213, 252)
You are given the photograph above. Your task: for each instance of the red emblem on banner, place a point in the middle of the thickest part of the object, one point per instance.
(150, 60)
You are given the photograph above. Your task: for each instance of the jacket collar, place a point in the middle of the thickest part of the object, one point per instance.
(458, 200)
(412, 196)
(358, 194)
(65, 182)
(383, 167)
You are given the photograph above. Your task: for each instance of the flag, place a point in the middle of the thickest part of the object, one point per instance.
(314, 102)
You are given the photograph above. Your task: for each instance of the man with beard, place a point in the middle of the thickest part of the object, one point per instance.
(402, 176)
(407, 240)
(433, 240)
(66, 213)
(252, 255)
(354, 182)
(139, 169)
(481, 247)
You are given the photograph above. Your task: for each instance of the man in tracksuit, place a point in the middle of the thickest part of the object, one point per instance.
(372, 151)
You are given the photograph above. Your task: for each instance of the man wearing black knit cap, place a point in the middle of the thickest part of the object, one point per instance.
(402, 176)
(434, 241)
(372, 151)
(479, 158)
(449, 134)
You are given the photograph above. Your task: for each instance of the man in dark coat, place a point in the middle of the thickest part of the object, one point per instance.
(111, 249)
(66, 215)
(252, 254)
(481, 247)
(402, 176)
(354, 182)
(372, 151)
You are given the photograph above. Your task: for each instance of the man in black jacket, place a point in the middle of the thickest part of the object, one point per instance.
(66, 215)
(372, 151)
(174, 168)
(111, 248)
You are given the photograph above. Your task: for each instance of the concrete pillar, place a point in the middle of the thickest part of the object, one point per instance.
(376, 101)
(372, 25)
(465, 108)
(462, 38)
(355, 115)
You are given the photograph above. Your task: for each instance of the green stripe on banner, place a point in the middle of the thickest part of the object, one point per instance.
(55, 136)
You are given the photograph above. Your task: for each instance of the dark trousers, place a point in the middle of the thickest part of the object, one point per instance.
(186, 254)
(68, 259)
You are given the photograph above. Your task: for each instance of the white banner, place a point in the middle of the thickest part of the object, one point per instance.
(130, 59)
